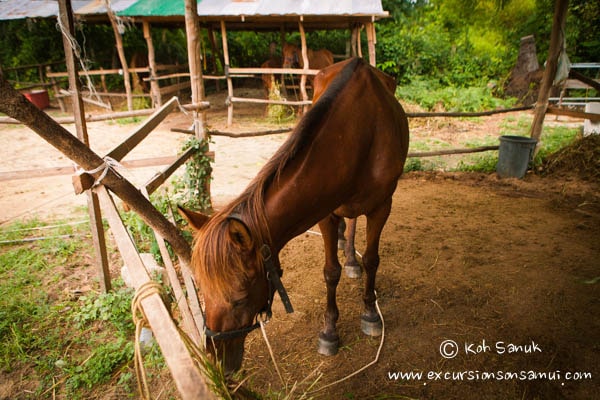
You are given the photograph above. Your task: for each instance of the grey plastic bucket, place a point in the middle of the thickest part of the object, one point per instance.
(514, 156)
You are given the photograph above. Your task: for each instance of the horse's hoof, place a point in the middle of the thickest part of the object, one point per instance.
(353, 271)
(328, 347)
(371, 327)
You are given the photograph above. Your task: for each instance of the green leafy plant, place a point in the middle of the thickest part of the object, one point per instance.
(113, 307)
(198, 175)
(279, 113)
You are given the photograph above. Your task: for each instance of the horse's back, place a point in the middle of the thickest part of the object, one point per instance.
(368, 129)
(319, 59)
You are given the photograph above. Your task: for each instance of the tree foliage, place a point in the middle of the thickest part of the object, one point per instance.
(470, 42)
(454, 42)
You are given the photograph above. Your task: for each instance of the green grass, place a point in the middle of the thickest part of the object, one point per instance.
(78, 342)
(431, 95)
(553, 139)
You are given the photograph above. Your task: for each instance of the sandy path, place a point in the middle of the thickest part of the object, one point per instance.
(53, 197)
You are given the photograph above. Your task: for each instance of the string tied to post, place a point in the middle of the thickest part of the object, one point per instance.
(108, 164)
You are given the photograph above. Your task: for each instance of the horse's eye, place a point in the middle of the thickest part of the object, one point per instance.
(239, 302)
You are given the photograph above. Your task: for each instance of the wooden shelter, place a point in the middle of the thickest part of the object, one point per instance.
(263, 15)
(285, 16)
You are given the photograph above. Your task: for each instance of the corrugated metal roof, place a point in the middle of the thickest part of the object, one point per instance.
(97, 7)
(19, 9)
(271, 8)
(155, 8)
(290, 7)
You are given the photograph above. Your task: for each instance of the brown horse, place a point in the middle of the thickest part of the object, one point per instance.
(268, 79)
(317, 59)
(358, 131)
(274, 61)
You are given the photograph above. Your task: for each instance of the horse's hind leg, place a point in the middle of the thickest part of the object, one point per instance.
(351, 266)
(341, 237)
(328, 338)
(370, 321)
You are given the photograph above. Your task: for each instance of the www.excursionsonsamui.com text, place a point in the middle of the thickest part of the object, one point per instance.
(481, 376)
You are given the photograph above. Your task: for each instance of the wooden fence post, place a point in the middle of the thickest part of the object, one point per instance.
(186, 375)
(556, 46)
(66, 17)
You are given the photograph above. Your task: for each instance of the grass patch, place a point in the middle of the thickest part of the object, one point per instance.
(553, 138)
(71, 344)
(430, 95)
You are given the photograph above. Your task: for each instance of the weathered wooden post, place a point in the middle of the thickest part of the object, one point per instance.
(195, 64)
(154, 88)
(227, 74)
(119, 43)
(304, 49)
(371, 41)
(66, 22)
(15, 105)
(196, 80)
(556, 46)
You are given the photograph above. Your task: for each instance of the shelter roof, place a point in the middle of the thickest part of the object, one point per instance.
(155, 8)
(263, 14)
(20, 9)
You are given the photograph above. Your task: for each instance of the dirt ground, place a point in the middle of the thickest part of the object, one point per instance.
(508, 270)
(467, 258)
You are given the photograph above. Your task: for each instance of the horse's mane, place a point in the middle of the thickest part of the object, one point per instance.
(217, 262)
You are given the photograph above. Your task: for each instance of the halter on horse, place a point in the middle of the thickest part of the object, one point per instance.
(343, 159)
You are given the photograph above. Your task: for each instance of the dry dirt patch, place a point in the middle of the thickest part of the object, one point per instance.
(466, 258)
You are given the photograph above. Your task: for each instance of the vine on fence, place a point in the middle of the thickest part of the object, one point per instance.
(198, 175)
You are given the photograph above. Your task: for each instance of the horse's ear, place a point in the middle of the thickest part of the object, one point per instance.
(195, 219)
(240, 234)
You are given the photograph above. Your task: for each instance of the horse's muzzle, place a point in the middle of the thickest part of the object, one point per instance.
(228, 352)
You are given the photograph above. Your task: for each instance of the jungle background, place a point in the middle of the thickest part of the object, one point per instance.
(432, 47)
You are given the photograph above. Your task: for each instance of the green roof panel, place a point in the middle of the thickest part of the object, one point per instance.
(155, 8)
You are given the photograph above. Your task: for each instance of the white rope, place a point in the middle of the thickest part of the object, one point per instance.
(358, 371)
(82, 60)
(108, 164)
(181, 108)
(264, 332)
(375, 360)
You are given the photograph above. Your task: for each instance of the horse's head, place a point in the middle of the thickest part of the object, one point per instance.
(230, 269)
(291, 58)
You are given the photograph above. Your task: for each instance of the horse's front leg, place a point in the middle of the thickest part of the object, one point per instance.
(328, 338)
(370, 321)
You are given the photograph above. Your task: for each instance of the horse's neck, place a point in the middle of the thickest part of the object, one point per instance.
(309, 55)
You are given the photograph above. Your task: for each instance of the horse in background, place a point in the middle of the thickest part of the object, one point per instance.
(274, 61)
(269, 79)
(342, 160)
(317, 59)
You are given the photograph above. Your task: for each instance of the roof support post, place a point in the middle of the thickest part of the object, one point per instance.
(119, 43)
(154, 88)
(226, 68)
(371, 41)
(305, 65)
(195, 65)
